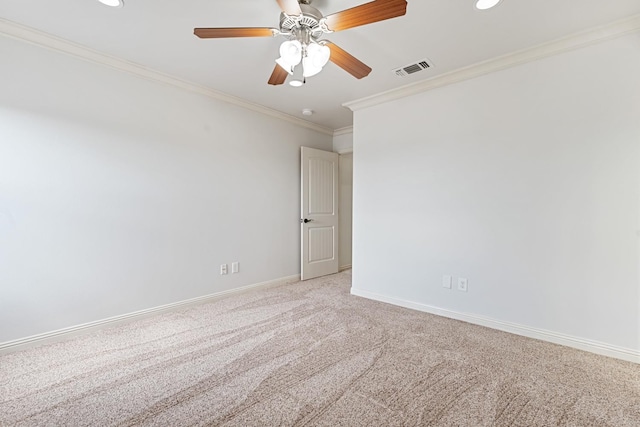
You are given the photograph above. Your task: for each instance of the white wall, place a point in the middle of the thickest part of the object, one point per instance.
(525, 181)
(119, 194)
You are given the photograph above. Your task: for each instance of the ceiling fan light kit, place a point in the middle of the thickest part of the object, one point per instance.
(303, 26)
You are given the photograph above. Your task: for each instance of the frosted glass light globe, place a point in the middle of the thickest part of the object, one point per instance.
(112, 3)
(486, 4)
(291, 52)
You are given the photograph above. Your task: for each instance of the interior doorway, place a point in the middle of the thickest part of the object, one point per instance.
(346, 209)
(319, 220)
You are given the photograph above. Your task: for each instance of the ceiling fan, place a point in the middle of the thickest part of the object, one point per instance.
(303, 26)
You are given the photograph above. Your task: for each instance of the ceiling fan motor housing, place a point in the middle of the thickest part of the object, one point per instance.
(309, 19)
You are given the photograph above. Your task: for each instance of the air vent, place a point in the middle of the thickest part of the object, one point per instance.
(413, 68)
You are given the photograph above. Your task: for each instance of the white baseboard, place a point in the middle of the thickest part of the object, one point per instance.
(344, 267)
(66, 333)
(627, 354)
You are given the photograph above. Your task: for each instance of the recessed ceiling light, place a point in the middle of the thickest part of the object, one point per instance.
(307, 112)
(295, 83)
(486, 4)
(112, 3)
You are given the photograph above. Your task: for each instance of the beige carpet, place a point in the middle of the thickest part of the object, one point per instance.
(311, 354)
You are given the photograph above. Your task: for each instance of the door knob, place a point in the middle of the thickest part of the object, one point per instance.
(306, 220)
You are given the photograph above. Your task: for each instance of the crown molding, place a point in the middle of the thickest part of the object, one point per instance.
(343, 131)
(565, 44)
(26, 34)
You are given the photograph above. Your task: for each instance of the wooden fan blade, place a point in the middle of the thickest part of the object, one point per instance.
(216, 33)
(348, 62)
(290, 7)
(278, 76)
(368, 13)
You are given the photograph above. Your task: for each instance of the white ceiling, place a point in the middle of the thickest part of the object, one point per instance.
(158, 34)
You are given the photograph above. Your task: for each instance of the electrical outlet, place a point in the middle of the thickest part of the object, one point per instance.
(462, 284)
(446, 282)
(235, 267)
(224, 269)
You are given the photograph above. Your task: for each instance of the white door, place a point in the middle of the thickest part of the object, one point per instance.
(319, 217)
